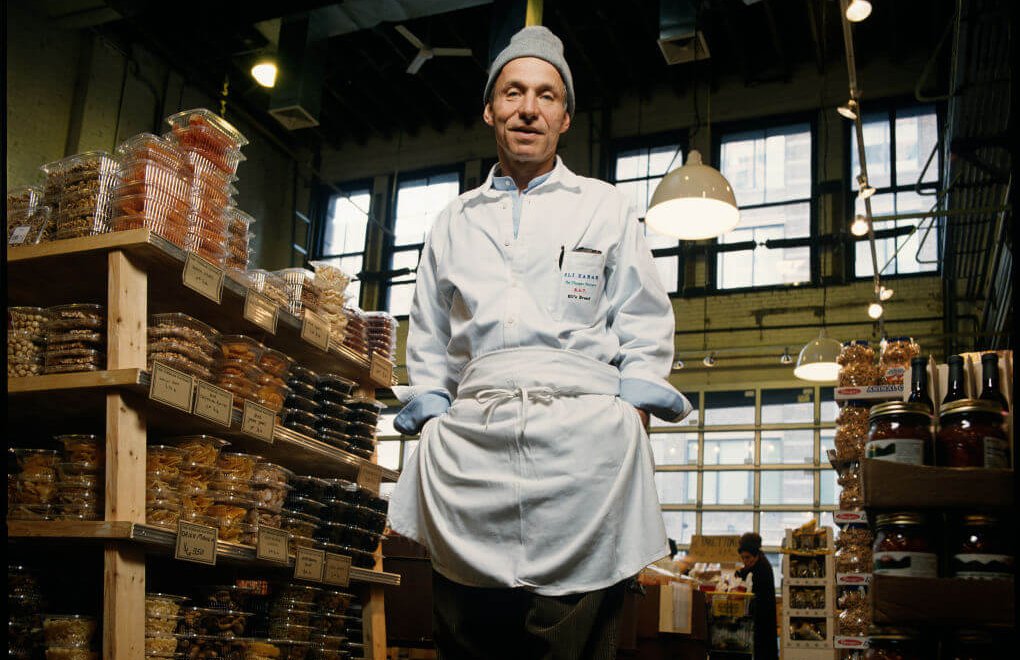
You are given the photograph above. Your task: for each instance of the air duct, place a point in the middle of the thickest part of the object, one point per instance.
(679, 38)
(297, 98)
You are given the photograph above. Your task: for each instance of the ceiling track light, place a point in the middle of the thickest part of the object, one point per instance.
(885, 293)
(264, 72)
(709, 360)
(858, 10)
(848, 110)
(786, 358)
(678, 365)
(860, 225)
(875, 310)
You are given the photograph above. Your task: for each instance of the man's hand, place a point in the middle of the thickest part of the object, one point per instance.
(643, 414)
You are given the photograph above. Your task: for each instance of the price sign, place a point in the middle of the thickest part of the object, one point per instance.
(213, 403)
(714, 549)
(19, 234)
(271, 544)
(729, 608)
(381, 371)
(308, 564)
(258, 421)
(337, 570)
(261, 311)
(315, 330)
(369, 477)
(170, 386)
(203, 277)
(196, 543)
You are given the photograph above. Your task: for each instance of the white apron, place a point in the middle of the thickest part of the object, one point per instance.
(538, 476)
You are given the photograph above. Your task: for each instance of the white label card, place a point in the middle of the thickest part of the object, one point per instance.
(315, 330)
(170, 386)
(271, 544)
(337, 570)
(261, 311)
(258, 421)
(203, 277)
(213, 403)
(19, 234)
(196, 543)
(369, 477)
(381, 371)
(308, 564)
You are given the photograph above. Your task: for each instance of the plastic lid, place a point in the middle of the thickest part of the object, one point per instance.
(898, 408)
(204, 117)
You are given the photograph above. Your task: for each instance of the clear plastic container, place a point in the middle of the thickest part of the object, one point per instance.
(164, 459)
(271, 473)
(30, 320)
(196, 476)
(242, 388)
(164, 646)
(159, 184)
(275, 363)
(176, 360)
(237, 367)
(69, 630)
(28, 226)
(151, 147)
(24, 198)
(302, 403)
(240, 347)
(86, 474)
(193, 352)
(91, 162)
(206, 172)
(270, 285)
(24, 346)
(237, 465)
(159, 210)
(302, 292)
(69, 361)
(230, 511)
(163, 605)
(84, 450)
(68, 318)
(213, 621)
(25, 511)
(240, 222)
(228, 135)
(200, 449)
(183, 327)
(272, 396)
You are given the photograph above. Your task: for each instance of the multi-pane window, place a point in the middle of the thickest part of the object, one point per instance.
(344, 234)
(771, 175)
(419, 201)
(637, 173)
(898, 144)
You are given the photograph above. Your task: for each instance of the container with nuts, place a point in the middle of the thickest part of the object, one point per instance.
(857, 365)
(24, 354)
(29, 320)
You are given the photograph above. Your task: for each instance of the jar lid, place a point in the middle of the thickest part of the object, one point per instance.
(970, 405)
(898, 408)
(979, 519)
(900, 518)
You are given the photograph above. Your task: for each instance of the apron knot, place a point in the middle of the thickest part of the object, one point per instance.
(492, 397)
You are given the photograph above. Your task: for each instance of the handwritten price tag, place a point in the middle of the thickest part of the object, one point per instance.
(19, 235)
(258, 421)
(381, 371)
(338, 570)
(261, 311)
(196, 543)
(271, 544)
(203, 277)
(369, 477)
(170, 386)
(213, 403)
(308, 564)
(315, 330)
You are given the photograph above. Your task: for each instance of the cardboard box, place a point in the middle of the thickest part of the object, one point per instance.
(890, 485)
(933, 601)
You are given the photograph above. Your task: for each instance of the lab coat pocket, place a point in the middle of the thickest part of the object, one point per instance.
(580, 286)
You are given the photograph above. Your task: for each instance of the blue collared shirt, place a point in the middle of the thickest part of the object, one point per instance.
(507, 183)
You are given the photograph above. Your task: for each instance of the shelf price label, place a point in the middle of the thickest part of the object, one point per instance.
(196, 543)
(381, 370)
(315, 330)
(203, 277)
(19, 234)
(337, 570)
(369, 477)
(170, 386)
(261, 311)
(271, 544)
(213, 403)
(258, 421)
(308, 564)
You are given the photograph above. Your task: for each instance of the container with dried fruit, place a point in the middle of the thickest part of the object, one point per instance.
(857, 365)
(83, 449)
(275, 363)
(208, 134)
(201, 449)
(237, 465)
(29, 226)
(69, 630)
(240, 347)
(164, 459)
(230, 511)
(213, 621)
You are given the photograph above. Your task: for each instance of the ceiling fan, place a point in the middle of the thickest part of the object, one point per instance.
(426, 53)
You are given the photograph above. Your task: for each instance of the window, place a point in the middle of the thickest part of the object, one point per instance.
(344, 234)
(771, 174)
(419, 201)
(898, 144)
(755, 461)
(637, 173)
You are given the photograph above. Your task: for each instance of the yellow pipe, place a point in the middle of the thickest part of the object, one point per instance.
(533, 14)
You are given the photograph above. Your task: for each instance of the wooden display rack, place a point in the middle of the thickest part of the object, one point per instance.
(135, 273)
(795, 649)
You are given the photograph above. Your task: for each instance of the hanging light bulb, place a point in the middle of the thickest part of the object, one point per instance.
(678, 365)
(786, 358)
(709, 360)
(875, 310)
(817, 360)
(859, 227)
(693, 202)
(848, 110)
(264, 73)
(865, 191)
(858, 10)
(884, 293)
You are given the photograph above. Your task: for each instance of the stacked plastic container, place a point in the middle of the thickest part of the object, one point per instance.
(382, 334)
(239, 237)
(183, 343)
(356, 333)
(268, 284)
(26, 340)
(75, 339)
(80, 190)
(28, 219)
(332, 284)
(154, 188)
(302, 292)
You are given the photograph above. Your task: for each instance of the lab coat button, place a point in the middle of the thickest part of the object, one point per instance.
(510, 322)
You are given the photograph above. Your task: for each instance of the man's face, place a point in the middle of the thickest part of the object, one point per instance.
(528, 110)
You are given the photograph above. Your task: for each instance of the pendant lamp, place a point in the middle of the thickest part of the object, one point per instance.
(817, 360)
(693, 203)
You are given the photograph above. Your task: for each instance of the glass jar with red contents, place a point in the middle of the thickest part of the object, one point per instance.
(903, 546)
(894, 644)
(899, 432)
(980, 549)
(971, 434)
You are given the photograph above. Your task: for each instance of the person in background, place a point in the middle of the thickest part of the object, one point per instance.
(763, 584)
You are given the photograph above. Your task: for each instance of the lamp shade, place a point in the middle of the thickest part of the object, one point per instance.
(693, 202)
(817, 360)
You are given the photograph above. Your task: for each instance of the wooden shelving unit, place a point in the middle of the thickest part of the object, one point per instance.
(135, 273)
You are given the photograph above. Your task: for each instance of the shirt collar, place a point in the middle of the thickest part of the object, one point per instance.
(559, 175)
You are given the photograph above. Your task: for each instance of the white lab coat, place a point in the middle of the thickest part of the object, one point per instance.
(538, 476)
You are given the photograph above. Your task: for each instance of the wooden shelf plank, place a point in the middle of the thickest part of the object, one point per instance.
(75, 381)
(891, 485)
(165, 539)
(909, 600)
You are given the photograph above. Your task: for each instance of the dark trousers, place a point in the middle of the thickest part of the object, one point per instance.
(472, 623)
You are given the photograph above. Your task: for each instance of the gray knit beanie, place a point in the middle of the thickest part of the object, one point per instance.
(533, 41)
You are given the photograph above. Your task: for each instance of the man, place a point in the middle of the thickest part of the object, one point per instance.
(763, 584)
(539, 315)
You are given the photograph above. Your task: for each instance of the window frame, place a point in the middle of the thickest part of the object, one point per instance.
(811, 241)
(389, 249)
(891, 107)
(327, 194)
(651, 141)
